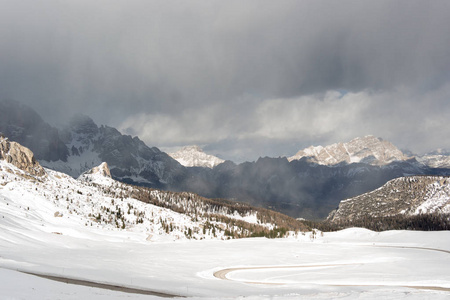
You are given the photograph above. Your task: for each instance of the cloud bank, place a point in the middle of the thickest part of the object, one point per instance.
(242, 78)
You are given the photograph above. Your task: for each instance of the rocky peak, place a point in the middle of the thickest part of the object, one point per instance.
(368, 149)
(20, 156)
(102, 170)
(83, 124)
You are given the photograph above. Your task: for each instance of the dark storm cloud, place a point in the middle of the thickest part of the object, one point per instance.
(211, 72)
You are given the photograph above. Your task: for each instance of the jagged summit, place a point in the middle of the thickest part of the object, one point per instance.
(99, 175)
(193, 156)
(128, 158)
(368, 149)
(19, 156)
(102, 170)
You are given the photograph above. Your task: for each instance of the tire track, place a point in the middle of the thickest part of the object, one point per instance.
(105, 286)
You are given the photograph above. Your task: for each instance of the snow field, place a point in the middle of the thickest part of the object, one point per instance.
(353, 263)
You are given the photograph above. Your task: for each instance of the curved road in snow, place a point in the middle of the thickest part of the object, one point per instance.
(222, 274)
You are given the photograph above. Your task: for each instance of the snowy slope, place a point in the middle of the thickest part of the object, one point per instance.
(60, 204)
(351, 264)
(368, 149)
(94, 231)
(405, 196)
(99, 202)
(193, 156)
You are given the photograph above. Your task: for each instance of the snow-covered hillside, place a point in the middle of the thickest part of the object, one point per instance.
(405, 196)
(96, 200)
(193, 156)
(368, 149)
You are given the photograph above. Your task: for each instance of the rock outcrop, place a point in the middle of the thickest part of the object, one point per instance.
(20, 156)
(102, 170)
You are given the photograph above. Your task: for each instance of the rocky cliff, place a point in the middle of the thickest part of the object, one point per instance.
(20, 156)
(102, 170)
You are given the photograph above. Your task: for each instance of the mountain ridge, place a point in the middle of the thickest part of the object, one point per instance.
(299, 188)
(96, 200)
(367, 149)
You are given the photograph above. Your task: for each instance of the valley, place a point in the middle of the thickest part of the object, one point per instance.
(99, 238)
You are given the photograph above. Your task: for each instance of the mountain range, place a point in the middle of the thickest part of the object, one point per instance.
(43, 197)
(310, 184)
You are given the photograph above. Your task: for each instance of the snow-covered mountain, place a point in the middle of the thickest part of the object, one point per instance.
(193, 156)
(95, 200)
(368, 149)
(405, 196)
(436, 159)
(129, 159)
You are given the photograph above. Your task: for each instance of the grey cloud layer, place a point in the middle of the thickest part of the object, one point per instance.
(217, 71)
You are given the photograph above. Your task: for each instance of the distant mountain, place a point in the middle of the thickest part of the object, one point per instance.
(56, 203)
(22, 124)
(368, 149)
(298, 188)
(129, 159)
(193, 156)
(436, 159)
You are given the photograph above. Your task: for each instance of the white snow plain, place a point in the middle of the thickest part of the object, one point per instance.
(353, 263)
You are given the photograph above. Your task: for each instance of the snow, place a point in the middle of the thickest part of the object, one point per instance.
(193, 156)
(353, 263)
(437, 198)
(75, 164)
(348, 264)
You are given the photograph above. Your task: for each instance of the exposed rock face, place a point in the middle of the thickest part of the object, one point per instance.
(20, 156)
(369, 149)
(102, 170)
(400, 196)
(193, 156)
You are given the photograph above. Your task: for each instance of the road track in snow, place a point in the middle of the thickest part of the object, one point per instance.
(222, 274)
(106, 286)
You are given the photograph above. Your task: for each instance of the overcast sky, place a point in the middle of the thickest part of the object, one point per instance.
(243, 79)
